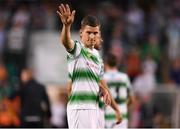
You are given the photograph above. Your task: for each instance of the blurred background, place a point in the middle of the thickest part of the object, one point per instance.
(143, 34)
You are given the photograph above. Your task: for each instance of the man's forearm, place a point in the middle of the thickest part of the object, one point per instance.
(113, 103)
(69, 88)
(66, 38)
(105, 93)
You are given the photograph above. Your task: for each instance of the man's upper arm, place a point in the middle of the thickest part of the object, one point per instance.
(69, 46)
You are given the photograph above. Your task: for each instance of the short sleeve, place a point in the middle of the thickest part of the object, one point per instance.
(69, 77)
(102, 72)
(75, 51)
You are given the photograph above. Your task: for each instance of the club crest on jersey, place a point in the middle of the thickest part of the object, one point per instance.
(90, 56)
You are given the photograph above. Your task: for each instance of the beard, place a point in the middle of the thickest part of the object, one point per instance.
(98, 47)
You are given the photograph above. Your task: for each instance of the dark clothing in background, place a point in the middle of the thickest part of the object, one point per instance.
(175, 76)
(35, 105)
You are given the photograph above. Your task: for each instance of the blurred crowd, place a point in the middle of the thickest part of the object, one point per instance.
(144, 35)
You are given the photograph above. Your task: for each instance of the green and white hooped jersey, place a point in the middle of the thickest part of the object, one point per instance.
(120, 88)
(85, 69)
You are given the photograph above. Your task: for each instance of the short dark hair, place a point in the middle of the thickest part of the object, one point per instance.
(111, 60)
(90, 21)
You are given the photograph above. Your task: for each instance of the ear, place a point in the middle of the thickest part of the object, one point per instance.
(80, 33)
(101, 40)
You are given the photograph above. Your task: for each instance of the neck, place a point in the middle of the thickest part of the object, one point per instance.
(90, 47)
(111, 68)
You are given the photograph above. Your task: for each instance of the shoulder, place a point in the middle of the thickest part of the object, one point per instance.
(95, 51)
(75, 51)
(97, 54)
(35, 82)
(77, 42)
(117, 75)
(123, 75)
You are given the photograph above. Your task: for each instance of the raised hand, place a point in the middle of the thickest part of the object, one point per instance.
(65, 14)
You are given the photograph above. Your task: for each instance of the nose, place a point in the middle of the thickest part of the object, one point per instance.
(91, 36)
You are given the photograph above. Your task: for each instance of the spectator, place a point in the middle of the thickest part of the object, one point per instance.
(21, 15)
(133, 64)
(35, 105)
(116, 43)
(135, 22)
(8, 111)
(175, 71)
(146, 81)
(2, 37)
(173, 34)
(152, 48)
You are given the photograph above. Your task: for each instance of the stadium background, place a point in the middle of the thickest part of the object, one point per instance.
(144, 34)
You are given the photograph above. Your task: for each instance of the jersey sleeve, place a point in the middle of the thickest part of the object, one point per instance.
(75, 52)
(102, 72)
(69, 77)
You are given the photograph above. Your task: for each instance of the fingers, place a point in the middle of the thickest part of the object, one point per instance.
(101, 40)
(59, 13)
(68, 9)
(119, 121)
(118, 117)
(63, 8)
(107, 99)
(73, 13)
(72, 16)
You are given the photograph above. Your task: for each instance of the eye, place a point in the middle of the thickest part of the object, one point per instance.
(95, 33)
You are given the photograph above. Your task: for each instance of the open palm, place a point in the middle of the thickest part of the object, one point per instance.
(65, 14)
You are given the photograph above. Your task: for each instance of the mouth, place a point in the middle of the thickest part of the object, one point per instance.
(91, 45)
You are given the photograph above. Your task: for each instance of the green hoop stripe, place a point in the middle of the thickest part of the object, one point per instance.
(117, 84)
(82, 74)
(121, 100)
(113, 117)
(101, 104)
(83, 97)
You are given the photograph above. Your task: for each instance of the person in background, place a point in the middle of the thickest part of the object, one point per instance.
(120, 88)
(9, 104)
(35, 105)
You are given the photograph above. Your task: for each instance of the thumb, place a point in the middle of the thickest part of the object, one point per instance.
(73, 13)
